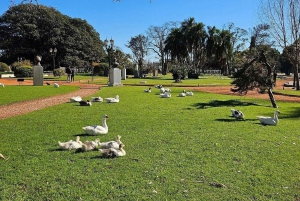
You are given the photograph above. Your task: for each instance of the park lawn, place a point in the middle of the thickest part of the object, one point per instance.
(177, 149)
(17, 93)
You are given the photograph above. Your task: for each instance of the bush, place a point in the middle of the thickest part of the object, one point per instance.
(23, 71)
(19, 64)
(101, 69)
(4, 67)
(58, 72)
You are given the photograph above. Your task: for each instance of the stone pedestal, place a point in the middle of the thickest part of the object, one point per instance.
(123, 73)
(38, 79)
(114, 77)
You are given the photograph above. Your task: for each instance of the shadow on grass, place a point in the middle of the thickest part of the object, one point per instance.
(295, 113)
(218, 103)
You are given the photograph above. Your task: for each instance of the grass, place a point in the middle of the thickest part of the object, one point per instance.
(177, 149)
(13, 94)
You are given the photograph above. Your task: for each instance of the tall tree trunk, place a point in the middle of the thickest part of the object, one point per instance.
(270, 92)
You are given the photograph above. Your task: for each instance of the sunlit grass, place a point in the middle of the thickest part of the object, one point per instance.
(16, 93)
(177, 149)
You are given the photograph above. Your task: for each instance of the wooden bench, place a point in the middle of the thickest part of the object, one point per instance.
(20, 80)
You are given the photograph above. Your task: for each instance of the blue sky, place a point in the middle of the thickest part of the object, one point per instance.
(128, 18)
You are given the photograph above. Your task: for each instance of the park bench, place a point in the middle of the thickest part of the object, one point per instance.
(20, 80)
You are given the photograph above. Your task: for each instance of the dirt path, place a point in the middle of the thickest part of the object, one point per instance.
(20, 108)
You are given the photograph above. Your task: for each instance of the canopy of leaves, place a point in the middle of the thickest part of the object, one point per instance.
(27, 30)
(255, 74)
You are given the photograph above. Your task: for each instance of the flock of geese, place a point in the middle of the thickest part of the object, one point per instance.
(166, 92)
(110, 149)
(81, 102)
(273, 121)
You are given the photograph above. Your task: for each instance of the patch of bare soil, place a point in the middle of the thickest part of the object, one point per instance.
(254, 93)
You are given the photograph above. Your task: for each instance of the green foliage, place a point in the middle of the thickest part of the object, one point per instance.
(101, 69)
(16, 64)
(23, 71)
(58, 72)
(177, 149)
(3, 67)
(27, 30)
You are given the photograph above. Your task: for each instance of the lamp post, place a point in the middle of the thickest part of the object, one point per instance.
(109, 49)
(53, 54)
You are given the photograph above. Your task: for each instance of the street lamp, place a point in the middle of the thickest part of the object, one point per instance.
(109, 49)
(53, 54)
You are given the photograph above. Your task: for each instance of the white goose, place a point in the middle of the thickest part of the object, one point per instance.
(147, 90)
(97, 130)
(72, 144)
(75, 99)
(113, 100)
(111, 144)
(269, 120)
(237, 114)
(189, 93)
(56, 85)
(165, 95)
(97, 99)
(1, 84)
(182, 94)
(112, 153)
(90, 145)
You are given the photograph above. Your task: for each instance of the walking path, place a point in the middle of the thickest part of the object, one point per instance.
(24, 107)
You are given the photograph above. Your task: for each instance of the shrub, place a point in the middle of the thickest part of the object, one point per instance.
(58, 72)
(23, 71)
(101, 69)
(4, 67)
(19, 64)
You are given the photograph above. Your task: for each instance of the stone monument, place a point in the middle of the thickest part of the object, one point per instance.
(136, 71)
(114, 77)
(38, 72)
(123, 73)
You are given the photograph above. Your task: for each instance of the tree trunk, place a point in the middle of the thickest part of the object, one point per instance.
(270, 92)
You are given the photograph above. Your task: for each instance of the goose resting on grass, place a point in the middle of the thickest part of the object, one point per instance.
(237, 114)
(165, 95)
(72, 144)
(85, 103)
(112, 153)
(1, 84)
(189, 93)
(269, 120)
(90, 145)
(75, 99)
(111, 144)
(113, 100)
(97, 99)
(147, 90)
(97, 130)
(56, 85)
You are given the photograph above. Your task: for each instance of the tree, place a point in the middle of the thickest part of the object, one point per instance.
(255, 74)
(283, 17)
(139, 47)
(157, 36)
(27, 34)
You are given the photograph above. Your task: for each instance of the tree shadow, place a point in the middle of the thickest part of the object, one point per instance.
(292, 114)
(218, 103)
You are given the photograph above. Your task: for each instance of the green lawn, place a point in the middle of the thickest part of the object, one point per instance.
(16, 93)
(177, 149)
